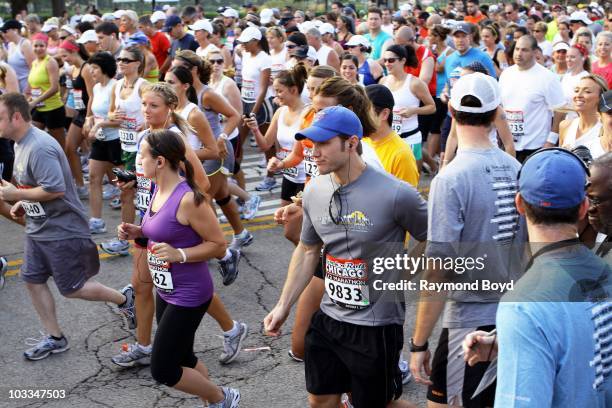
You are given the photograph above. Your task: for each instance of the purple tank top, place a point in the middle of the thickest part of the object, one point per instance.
(187, 284)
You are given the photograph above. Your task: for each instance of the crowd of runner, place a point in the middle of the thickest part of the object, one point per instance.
(506, 106)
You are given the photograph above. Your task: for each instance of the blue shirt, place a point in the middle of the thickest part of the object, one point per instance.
(377, 44)
(553, 352)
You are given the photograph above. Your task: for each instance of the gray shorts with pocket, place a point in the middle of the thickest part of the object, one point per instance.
(71, 262)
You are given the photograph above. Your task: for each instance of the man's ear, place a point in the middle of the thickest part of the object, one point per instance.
(518, 201)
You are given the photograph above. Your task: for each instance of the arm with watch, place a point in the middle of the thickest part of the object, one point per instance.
(295, 157)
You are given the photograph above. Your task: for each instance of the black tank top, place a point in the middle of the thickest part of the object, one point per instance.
(78, 84)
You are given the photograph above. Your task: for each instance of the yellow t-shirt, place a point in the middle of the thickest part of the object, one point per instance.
(396, 157)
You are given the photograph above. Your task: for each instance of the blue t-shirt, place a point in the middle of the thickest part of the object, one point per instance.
(377, 44)
(553, 352)
(188, 42)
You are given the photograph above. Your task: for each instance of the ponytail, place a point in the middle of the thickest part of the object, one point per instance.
(198, 196)
(181, 123)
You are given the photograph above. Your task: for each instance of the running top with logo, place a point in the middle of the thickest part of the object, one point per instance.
(529, 111)
(472, 201)
(40, 162)
(100, 105)
(183, 284)
(376, 208)
(188, 42)
(557, 324)
(252, 66)
(132, 111)
(286, 139)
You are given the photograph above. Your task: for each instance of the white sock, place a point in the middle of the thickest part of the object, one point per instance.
(234, 330)
(146, 349)
(228, 255)
(243, 234)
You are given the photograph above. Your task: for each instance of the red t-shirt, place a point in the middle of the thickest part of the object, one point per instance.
(422, 53)
(160, 45)
(474, 19)
(605, 72)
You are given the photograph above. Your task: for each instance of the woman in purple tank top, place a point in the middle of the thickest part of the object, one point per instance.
(183, 235)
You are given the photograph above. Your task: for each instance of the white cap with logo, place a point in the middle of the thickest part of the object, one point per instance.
(158, 16)
(482, 87)
(250, 33)
(202, 25)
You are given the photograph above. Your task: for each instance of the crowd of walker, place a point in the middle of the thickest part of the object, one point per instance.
(505, 107)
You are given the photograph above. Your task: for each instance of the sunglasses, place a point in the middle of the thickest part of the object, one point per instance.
(291, 46)
(63, 37)
(125, 60)
(216, 61)
(352, 46)
(390, 60)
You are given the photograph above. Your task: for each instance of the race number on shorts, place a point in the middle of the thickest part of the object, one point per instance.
(346, 282)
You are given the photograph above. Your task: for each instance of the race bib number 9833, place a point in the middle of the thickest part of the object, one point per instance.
(346, 282)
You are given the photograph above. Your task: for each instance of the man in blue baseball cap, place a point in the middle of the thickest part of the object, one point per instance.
(553, 329)
(347, 207)
(181, 40)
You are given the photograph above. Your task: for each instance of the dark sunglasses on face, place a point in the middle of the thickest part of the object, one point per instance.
(125, 60)
(390, 60)
(216, 61)
(291, 46)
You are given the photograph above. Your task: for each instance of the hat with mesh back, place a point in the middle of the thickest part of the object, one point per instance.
(480, 86)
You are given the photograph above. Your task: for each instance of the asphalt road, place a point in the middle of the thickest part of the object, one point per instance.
(86, 376)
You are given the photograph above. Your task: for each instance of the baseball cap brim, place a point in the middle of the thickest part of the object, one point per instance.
(316, 134)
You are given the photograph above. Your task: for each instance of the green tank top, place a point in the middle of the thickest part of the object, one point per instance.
(152, 76)
(38, 79)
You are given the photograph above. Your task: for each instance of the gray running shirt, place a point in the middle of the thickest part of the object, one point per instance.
(376, 209)
(41, 162)
(472, 201)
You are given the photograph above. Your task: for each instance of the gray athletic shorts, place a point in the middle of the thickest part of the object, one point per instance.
(211, 167)
(71, 262)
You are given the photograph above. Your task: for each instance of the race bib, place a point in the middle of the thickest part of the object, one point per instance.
(143, 192)
(397, 123)
(33, 209)
(160, 270)
(78, 99)
(248, 90)
(346, 282)
(291, 171)
(100, 132)
(516, 121)
(310, 167)
(128, 135)
(36, 93)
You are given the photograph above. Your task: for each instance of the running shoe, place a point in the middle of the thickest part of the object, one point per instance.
(132, 355)
(115, 203)
(116, 247)
(44, 347)
(243, 240)
(97, 226)
(110, 191)
(3, 269)
(128, 308)
(231, 399)
(294, 357)
(83, 192)
(268, 184)
(232, 344)
(250, 208)
(223, 219)
(229, 268)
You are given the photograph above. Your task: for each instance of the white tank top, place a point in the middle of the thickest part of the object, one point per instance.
(572, 130)
(404, 98)
(193, 140)
(323, 53)
(219, 90)
(594, 146)
(286, 139)
(132, 108)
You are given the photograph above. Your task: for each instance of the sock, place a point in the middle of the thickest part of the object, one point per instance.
(233, 331)
(146, 349)
(96, 219)
(228, 255)
(243, 234)
(57, 338)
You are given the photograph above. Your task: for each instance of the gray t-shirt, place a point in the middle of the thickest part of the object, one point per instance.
(373, 212)
(471, 202)
(41, 162)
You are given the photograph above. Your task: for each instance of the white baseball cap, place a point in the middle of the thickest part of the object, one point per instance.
(266, 15)
(580, 16)
(48, 27)
(483, 87)
(405, 7)
(230, 12)
(561, 45)
(88, 36)
(306, 25)
(166, 7)
(68, 29)
(158, 16)
(118, 14)
(327, 28)
(358, 40)
(108, 17)
(250, 33)
(89, 18)
(202, 25)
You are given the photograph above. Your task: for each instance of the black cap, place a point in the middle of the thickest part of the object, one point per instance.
(605, 102)
(300, 52)
(247, 5)
(380, 96)
(285, 19)
(10, 24)
(462, 27)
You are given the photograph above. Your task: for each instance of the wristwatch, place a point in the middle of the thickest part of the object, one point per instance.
(415, 349)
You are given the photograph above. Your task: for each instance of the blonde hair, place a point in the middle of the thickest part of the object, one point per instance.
(603, 85)
(276, 31)
(170, 98)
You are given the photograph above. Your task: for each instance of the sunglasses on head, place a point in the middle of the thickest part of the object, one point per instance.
(125, 60)
(216, 61)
